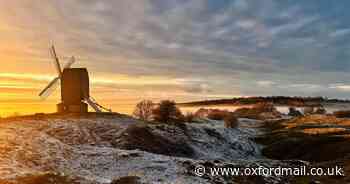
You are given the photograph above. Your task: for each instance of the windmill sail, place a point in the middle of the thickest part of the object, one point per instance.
(70, 62)
(92, 104)
(53, 85)
(56, 61)
(50, 88)
(100, 106)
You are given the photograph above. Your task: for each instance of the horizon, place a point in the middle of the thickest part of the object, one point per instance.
(181, 50)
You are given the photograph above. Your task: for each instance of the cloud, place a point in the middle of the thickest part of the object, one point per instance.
(293, 25)
(280, 41)
(246, 24)
(304, 87)
(341, 87)
(265, 83)
(339, 33)
(241, 4)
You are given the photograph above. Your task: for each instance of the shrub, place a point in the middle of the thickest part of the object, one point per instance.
(259, 111)
(167, 111)
(231, 121)
(144, 110)
(342, 114)
(264, 107)
(189, 117)
(242, 111)
(308, 110)
(294, 112)
(320, 110)
(202, 113)
(217, 114)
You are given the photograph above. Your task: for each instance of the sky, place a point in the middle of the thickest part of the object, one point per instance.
(175, 49)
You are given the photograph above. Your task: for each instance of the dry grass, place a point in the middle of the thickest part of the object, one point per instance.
(41, 178)
(316, 120)
(319, 131)
(313, 138)
(342, 114)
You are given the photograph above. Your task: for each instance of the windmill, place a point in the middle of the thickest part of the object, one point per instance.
(75, 88)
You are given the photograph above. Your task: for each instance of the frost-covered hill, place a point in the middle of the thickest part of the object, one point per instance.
(116, 148)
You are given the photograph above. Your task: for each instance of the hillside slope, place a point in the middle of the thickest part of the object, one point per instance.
(108, 149)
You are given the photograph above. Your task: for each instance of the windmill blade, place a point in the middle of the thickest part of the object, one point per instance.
(92, 104)
(50, 88)
(97, 107)
(56, 61)
(100, 106)
(70, 62)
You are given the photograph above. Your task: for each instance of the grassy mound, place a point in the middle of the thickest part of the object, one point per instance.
(310, 148)
(143, 138)
(311, 138)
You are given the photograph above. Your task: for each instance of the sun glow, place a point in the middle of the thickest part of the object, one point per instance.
(19, 91)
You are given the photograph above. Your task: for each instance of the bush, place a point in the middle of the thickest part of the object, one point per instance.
(189, 117)
(231, 121)
(320, 110)
(342, 114)
(217, 114)
(264, 107)
(242, 111)
(308, 110)
(144, 110)
(202, 113)
(259, 111)
(294, 112)
(167, 111)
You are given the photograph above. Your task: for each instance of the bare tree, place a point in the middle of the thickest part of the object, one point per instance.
(144, 110)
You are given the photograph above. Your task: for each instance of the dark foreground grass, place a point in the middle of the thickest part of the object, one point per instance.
(322, 140)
